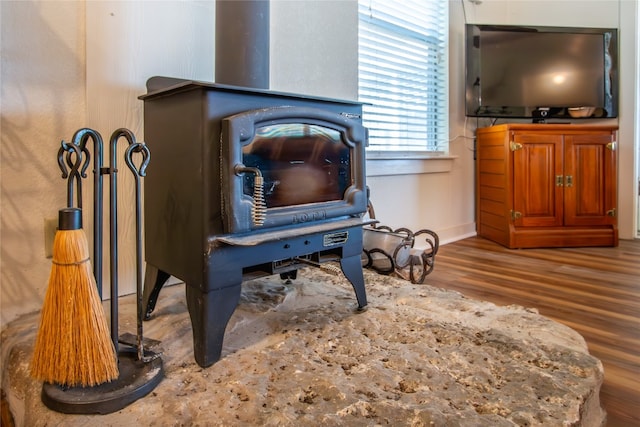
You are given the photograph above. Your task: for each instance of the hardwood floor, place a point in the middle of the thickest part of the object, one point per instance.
(595, 291)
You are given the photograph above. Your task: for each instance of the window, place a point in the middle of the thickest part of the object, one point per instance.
(403, 74)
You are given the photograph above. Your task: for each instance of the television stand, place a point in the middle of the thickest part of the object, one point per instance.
(547, 185)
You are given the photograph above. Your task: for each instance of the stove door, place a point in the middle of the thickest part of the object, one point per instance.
(289, 165)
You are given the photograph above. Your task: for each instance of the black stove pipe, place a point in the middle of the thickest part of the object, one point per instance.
(242, 43)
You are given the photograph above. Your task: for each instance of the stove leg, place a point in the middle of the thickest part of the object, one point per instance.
(210, 312)
(352, 269)
(154, 279)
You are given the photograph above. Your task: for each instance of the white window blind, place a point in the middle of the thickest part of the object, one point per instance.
(403, 73)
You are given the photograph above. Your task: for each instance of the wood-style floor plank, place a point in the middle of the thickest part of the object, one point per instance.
(595, 291)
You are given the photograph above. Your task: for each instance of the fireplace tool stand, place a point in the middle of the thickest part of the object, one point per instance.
(140, 370)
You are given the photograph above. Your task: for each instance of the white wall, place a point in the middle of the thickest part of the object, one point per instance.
(444, 201)
(310, 52)
(67, 65)
(42, 101)
(629, 169)
(440, 201)
(128, 42)
(621, 14)
(322, 60)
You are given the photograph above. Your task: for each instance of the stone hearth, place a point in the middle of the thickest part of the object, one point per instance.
(299, 354)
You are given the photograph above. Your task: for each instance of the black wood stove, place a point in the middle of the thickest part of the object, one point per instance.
(246, 183)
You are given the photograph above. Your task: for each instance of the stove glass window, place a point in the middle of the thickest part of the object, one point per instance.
(300, 163)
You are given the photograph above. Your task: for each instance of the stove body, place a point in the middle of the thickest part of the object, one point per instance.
(244, 183)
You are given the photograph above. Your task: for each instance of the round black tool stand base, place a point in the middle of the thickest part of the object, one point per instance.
(136, 380)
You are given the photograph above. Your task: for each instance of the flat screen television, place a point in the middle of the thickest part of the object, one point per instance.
(541, 72)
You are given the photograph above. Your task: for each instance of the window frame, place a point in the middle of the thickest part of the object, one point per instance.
(371, 16)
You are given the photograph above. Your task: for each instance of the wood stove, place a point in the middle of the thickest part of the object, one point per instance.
(245, 183)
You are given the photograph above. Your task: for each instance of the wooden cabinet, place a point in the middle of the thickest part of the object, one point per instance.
(547, 185)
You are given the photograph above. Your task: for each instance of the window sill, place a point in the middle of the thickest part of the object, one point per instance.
(386, 164)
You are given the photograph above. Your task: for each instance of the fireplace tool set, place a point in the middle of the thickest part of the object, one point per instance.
(388, 251)
(139, 370)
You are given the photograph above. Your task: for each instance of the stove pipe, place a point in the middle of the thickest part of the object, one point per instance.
(242, 43)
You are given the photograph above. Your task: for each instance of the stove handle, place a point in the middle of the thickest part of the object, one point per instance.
(258, 207)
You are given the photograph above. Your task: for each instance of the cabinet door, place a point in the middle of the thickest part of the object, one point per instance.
(537, 185)
(590, 179)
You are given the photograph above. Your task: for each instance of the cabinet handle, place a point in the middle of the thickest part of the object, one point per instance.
(569, 181)
(612, 212)
(515, 146)
(559, 180)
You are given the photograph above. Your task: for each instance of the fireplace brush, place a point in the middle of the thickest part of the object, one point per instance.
(138, 370)
(73, 345)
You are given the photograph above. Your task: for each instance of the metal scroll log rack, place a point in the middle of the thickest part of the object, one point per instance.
(140, 369)
(389, 251)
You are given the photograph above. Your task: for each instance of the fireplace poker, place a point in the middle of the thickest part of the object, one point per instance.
(138, 172)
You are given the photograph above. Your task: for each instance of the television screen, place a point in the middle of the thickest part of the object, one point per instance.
(553, 72)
